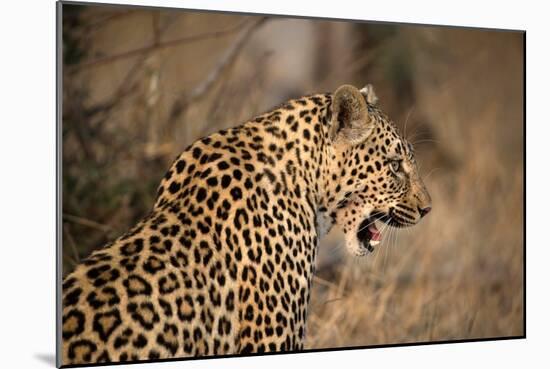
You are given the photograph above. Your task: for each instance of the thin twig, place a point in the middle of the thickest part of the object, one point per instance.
(333, 300)
(324, 282)
(156, 28)
(105, 18)
(71, 242)
(71, 261)
(87, 222)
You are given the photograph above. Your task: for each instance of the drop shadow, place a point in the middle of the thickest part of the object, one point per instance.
(46, 358)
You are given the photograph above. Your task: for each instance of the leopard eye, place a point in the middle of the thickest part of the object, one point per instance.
(395, 165)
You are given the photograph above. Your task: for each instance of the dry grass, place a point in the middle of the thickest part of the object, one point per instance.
(458, 274)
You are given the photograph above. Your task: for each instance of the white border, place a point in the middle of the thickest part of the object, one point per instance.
(27, 310)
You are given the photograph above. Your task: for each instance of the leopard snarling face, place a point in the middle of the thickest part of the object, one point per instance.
(379, 182)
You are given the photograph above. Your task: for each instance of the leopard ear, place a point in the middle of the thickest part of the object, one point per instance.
(370, 96)
(350, 120)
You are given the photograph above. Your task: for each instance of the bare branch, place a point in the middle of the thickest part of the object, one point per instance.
(183, 100)
(157, 46)
(127, 85)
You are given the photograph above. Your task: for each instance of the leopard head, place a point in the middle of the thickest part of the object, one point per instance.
(374, 173)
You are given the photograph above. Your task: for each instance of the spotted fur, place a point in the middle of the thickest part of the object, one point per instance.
(224, 261)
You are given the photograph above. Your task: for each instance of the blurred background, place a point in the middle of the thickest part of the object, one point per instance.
(139, 85)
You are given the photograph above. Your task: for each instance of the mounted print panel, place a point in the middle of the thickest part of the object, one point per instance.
(236, 184)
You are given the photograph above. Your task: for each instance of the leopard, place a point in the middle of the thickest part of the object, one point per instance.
(223, 263)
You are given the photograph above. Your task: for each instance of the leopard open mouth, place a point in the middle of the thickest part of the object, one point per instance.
(368, 233)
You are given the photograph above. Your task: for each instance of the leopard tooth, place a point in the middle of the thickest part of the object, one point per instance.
(373, 243)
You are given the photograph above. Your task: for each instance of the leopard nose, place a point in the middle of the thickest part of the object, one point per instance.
(424, 211)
